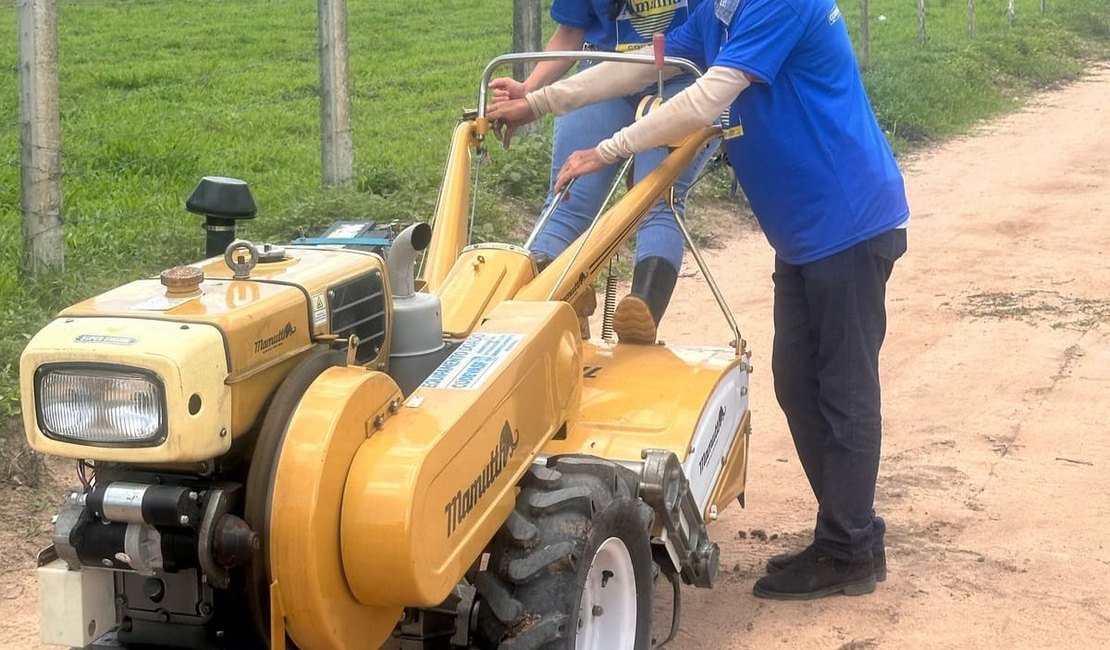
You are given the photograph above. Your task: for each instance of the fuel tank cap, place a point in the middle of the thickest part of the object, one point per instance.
(182, 279)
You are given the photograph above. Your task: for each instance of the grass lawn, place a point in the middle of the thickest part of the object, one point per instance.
(157, 93)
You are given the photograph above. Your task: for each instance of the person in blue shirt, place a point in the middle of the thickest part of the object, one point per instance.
(824, 185)
(612, 26)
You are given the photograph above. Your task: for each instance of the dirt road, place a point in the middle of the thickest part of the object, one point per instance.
(996, 465)
(996, 469)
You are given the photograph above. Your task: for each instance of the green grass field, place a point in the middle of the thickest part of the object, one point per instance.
(157, 93)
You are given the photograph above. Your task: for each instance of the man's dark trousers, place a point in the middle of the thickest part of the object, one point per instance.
(830, 320)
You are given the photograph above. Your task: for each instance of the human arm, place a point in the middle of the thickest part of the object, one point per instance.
(698, 105)
(604, 81)
(566, 37)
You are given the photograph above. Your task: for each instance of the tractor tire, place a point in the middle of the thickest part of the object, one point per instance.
(571, 568)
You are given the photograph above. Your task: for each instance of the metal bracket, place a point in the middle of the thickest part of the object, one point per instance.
(216, 504)
(664, 487)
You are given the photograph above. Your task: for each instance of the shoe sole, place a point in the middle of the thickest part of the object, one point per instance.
(632, 321)
(856, 588)
(880, 572)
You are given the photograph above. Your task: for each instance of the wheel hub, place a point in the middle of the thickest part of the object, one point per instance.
(607, 613)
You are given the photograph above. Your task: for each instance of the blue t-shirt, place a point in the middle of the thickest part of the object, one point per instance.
(812, 159)
(634, 25)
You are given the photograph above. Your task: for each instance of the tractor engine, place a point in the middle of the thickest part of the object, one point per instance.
(159, 389)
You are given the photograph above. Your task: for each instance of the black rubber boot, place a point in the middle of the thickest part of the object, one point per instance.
(814, 574)
(878, 553)
(637, 316)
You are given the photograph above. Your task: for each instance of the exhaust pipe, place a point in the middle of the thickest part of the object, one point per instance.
(402, 257)
(417, 319)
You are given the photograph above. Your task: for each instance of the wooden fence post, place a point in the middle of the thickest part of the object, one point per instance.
(1044, 6)
(864, 33)
(971, 18)
(40, 137)
(921, 34)
(1011, 18)
(336, 146)
(527, 37)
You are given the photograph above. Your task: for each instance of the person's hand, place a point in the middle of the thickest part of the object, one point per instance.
(578, 164)
(506, 116)
(507, 88)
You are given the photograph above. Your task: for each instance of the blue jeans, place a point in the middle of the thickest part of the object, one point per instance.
(830, 322)
(584, 128)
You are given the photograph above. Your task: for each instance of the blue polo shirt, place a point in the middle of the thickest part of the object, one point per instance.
(632, 28)
(812, 159)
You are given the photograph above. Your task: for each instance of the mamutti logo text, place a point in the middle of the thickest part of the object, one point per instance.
(271, 342)
(464, 500)
(706, 455)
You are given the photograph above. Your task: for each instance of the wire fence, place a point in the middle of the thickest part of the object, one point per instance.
(131, 76)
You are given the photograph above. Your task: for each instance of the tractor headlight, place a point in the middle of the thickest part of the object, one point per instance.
(100, 404)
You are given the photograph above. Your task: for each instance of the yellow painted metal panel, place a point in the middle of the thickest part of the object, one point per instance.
(483, 277)
(267, 320)
(731, 482)
(332, 421)
(636, 397)
(194, 364)
(450, 223)
(434, 485)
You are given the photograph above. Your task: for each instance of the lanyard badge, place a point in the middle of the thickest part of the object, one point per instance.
(728, 129)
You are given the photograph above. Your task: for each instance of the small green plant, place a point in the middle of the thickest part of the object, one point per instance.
(524, 172)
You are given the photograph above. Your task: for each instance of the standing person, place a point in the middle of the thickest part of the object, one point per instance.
(612, 26)
(829, 196)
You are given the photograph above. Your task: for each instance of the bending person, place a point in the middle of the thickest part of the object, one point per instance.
(822, 181)
(612, 26)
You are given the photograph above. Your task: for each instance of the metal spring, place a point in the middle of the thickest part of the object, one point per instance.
(609, 306)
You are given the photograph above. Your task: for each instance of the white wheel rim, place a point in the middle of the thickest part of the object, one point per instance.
(607, 615)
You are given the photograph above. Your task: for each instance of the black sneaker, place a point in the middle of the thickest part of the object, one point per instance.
(814, 574)
(878, 553)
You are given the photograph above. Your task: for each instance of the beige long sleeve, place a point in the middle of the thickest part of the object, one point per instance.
(698, 105)
(605, 80)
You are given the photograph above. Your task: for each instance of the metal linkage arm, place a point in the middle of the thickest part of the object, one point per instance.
(664, 487)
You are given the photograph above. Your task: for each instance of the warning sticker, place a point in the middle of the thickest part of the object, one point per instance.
(319, 310)
(473, 361)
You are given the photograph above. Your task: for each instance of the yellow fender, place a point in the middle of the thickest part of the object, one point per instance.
(335, 416)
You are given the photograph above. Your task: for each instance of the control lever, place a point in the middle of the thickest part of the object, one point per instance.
(659, 44)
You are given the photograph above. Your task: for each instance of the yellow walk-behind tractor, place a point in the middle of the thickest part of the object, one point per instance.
(306, 446)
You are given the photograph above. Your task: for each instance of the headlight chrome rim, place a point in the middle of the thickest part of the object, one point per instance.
(101, 368)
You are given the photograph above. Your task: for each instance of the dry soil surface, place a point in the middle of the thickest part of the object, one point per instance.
(996, 467)
(995, 478)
